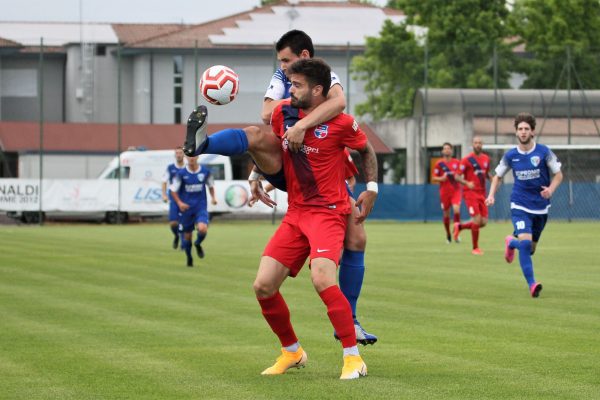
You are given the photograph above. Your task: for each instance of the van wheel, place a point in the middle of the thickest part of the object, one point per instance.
(31, 217)
(115, 217)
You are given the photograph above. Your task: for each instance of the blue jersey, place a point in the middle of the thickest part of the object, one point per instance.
(191, 186)
(169, 175)
(531, 171)
(279, 87)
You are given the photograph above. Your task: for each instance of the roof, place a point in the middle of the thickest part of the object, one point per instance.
(559, 127)
(329, 23)
(510, 102)
(102, 138)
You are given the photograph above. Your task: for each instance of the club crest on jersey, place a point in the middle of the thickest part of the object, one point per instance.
(200, 177)
(321, 131)
(535, 161)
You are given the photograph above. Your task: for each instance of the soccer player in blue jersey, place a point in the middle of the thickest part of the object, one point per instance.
(265, 150)
(189, 192)
(532, 165)
(167, 180)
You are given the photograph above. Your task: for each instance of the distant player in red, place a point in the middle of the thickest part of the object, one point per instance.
(315, 223)
(474, 169)
(444, 172)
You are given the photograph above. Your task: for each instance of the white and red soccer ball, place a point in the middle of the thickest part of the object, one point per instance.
(219, 85)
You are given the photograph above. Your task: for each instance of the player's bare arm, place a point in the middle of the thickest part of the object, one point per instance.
(496, 182)
(267, 109)
(211, 190)
(164, 192)
(460, 178)
(335, 104)
(442, 178)
(366, 200)
(548, 191)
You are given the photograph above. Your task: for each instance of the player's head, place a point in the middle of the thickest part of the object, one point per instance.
(311, 80)
(477, 144)
(179, 154)
(292, 46)
(525, 127)
(192, 162)
(447, 150)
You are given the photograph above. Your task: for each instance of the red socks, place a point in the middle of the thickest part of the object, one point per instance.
(457, 217)
(277, 314)
(447, 225)
(340, 315)
(475, 235)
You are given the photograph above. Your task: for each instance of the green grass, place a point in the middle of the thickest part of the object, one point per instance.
(111, 312)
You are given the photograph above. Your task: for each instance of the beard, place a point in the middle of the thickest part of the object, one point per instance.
(525, 141)
(299, 103)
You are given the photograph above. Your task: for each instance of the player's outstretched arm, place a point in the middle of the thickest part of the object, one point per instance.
(335, 104)
(496, 182)
(366, 200)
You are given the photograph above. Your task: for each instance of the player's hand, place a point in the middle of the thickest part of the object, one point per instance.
(366, 202)
(470, 184)
(444, 178)
(183, 207)
(214, 202)
(546, 192)
(295, 137)
(490, 201)
(165, 199)
(258, 194)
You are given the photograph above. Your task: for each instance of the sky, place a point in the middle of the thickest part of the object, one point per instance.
(131, 11)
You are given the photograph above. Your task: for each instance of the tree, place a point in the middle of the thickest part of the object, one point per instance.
(461, 38)
(553, 31)
(392, 69)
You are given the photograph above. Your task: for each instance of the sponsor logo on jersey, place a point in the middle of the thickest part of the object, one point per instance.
(535, 161)
(321, 131)
(527, 174)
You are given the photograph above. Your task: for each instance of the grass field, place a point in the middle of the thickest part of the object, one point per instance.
(111, 312)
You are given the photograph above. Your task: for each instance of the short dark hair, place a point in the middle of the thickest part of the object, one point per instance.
(297, 41)
(525, 117)
(316, 71)
(447, 144)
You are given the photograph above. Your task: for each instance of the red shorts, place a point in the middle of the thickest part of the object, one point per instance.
(307, 233)
(476, 205)
(448, 199)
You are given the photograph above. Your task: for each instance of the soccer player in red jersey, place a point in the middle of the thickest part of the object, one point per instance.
(444, 172)
(314, 225)
(474, 169)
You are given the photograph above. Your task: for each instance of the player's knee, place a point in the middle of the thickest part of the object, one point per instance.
(263, 289)
(202, 229)
(355, 240)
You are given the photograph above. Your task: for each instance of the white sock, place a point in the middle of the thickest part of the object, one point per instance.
(293, 348)
(351, 351)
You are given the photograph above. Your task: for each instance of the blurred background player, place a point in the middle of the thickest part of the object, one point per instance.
(315, 223)
(189, 192)
(444, 173)
(532, 164)
(265, 150)
(167, 180)
(474, 170)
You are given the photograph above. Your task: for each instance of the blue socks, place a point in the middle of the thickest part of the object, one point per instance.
(525, 261)
(186, 245)
(352, 272)
(199, 238)
(227, 142)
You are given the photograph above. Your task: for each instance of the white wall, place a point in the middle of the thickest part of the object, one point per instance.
(63, 166)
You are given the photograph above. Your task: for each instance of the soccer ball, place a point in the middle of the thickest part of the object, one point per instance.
(219, 85)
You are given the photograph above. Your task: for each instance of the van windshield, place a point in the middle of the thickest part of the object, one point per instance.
(217, 170)
(114, 174)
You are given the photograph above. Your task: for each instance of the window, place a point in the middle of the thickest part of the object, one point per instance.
(100, 50)
(114, 174)
(177, 88)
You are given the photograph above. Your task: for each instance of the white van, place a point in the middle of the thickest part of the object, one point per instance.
(152, 164)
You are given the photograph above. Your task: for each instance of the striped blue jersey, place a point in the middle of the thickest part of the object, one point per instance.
(531, 171)
(191, 186)
(279, 87)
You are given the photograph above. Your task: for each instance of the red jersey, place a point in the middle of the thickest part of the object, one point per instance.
(451, 169)
(475, 169)
(315, 176)
(351, 169)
